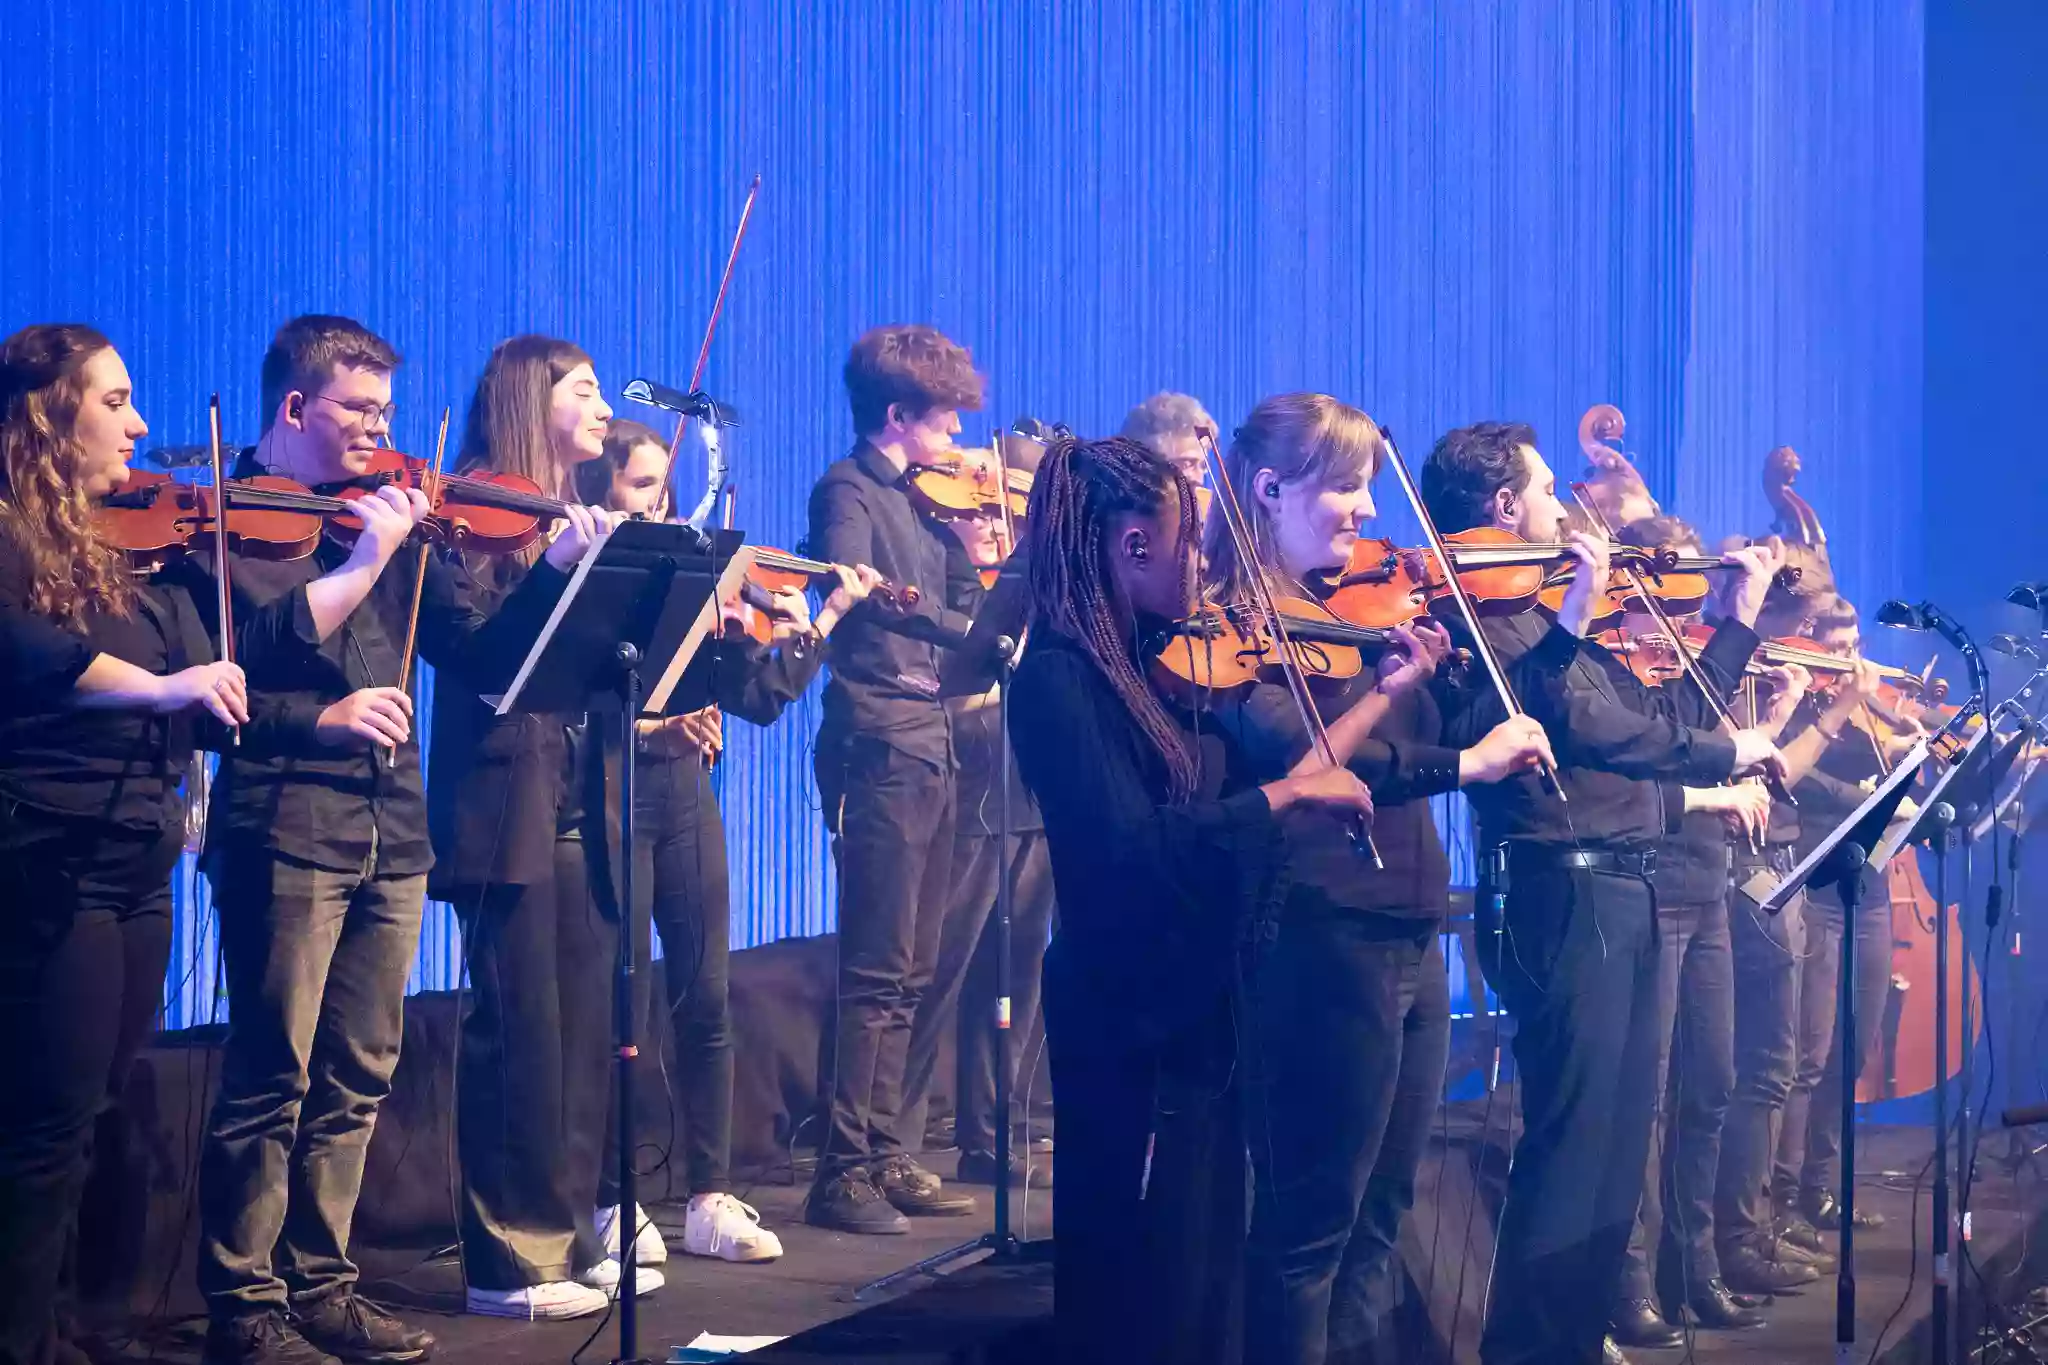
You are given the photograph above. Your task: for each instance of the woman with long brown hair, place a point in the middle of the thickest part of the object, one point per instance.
(506, 802)
(1168, 865)
(104, 673)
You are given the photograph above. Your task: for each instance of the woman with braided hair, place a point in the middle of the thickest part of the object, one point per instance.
(1168, 867)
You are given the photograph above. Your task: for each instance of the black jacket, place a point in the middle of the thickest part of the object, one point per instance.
(885, 665)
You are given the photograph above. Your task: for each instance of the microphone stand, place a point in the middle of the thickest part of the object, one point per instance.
(1002, 1245)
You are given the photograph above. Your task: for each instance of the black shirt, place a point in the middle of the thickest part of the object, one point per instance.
(119, 766)
(1614, 738)
(885, 665)
(1404, 765)
(332, 805)
(1158, 901)
(1692, 862)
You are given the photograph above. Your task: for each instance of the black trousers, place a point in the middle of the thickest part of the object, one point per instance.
(1810, 1145)
(317, 962)
(681, 885)
(1150, 1193)
(966, 985)
(1348, 1037)
(1768, 952)
(85, 935)
(891, 817)
(1695, 1078)
(1578, 970)
(532, 1074)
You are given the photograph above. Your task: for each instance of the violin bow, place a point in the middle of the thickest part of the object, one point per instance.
(1481, 646)
(1687, 663)
(223, 591)
(1262, 603)
(711, 326)
(432, 488)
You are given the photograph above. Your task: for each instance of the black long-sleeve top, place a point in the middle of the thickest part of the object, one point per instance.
(885, 664)
(1614, 739)
(1158, 901)
(1402, 763)
(117, 766)
(330, 804)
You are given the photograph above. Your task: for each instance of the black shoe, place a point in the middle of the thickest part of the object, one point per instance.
(1747, 1271)
(260, 1339)
(1714, 1308)
(1800, 1233)
(916, 1191)
(1610, 1354)
(1636, 1323)
(1826, 1213)
(979, 1168)
(351, 1328)
(1746, 1300)
(848, 1201)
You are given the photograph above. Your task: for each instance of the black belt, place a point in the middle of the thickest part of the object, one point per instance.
(1641, 864)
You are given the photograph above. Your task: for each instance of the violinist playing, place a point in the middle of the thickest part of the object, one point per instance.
(886, 767)
(1349, 1020)
(107, 674)
(1696, 1026)
(680, 880)
(318, 853)
(1572, 868)
(1169, 864)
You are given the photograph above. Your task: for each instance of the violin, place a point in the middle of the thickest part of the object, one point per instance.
(770, 570)
(485, 511)
(1225, 648)
(968, 484)
(153, 517)
(1500, 574)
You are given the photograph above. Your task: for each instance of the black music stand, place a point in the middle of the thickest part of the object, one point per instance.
(646, 592)
(1839, 860)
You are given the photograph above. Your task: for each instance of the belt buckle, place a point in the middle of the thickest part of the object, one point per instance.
(1648, 859)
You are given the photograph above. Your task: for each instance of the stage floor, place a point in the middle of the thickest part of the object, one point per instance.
(808, 1286)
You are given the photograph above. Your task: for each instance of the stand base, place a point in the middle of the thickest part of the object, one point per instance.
(1002, 1251)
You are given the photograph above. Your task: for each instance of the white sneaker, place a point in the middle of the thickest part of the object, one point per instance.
(604, 1277)
(720, 1225)
(538, 1302)
(648, 1247)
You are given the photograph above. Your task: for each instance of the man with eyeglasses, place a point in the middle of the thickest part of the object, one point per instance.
(317, 850)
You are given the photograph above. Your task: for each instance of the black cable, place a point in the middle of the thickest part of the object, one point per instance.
(1912, 1261)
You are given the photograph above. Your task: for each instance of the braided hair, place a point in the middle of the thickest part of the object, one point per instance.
(1079, 492)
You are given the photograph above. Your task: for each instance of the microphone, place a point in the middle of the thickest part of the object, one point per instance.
(696, 404)
(2016, 647)
(1006, 648)
(1927, 616)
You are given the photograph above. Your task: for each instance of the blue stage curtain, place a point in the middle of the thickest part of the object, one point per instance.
(1442, 213)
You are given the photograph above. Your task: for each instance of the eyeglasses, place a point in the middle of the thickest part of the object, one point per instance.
(365, 412)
